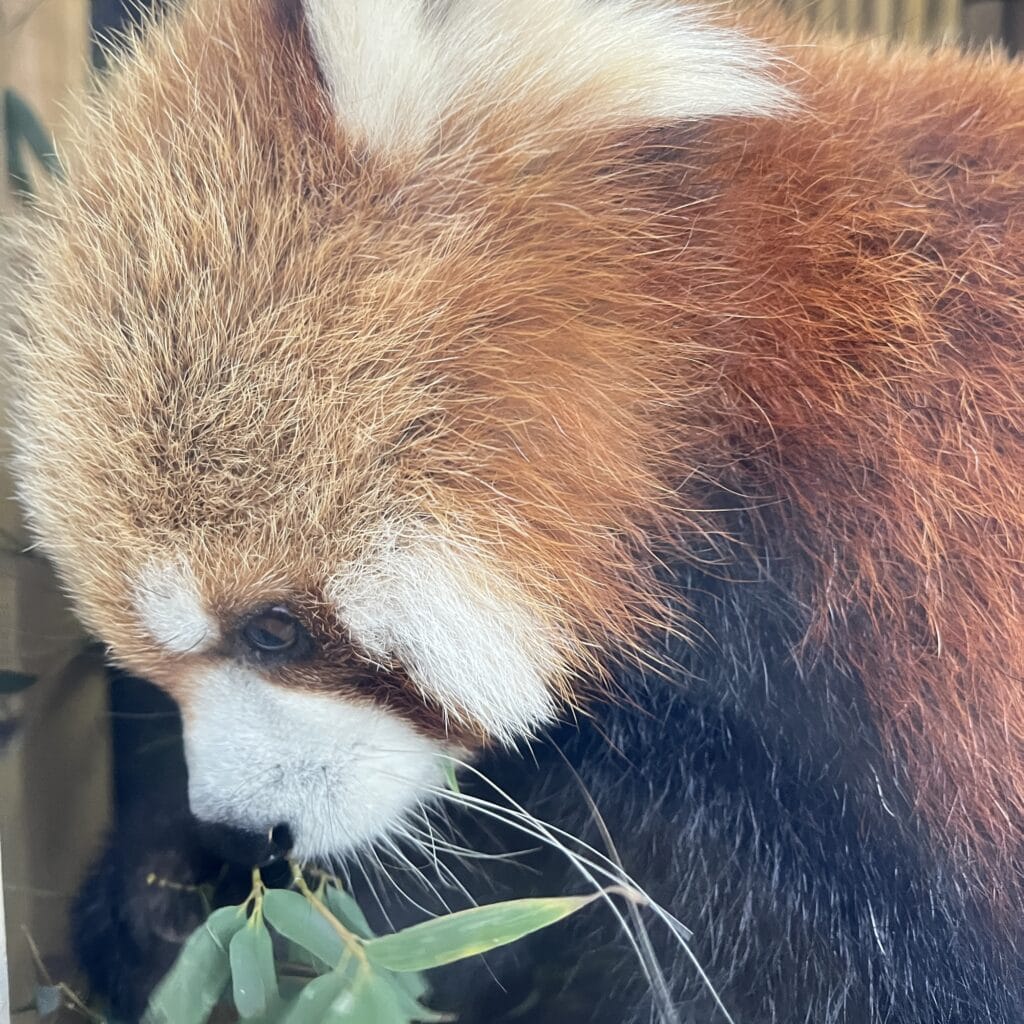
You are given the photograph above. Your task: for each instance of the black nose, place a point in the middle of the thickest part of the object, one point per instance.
(248, 848)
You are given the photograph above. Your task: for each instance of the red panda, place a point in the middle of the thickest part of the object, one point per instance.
(398, 381)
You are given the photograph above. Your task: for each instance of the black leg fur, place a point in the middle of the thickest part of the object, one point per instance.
(135, 911)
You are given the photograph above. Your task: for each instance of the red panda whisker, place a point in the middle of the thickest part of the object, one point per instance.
(372, 889)
(388, 842)
(517, 816)
(533, 826)
(465, 852)
(663, 994)
(373, 851)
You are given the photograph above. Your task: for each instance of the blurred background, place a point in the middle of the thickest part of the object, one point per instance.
(65, 724)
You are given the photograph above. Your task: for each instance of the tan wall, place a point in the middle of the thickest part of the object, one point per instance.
(54, 735)
(44, 53)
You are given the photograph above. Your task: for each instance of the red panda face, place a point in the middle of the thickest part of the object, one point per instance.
(344, 381)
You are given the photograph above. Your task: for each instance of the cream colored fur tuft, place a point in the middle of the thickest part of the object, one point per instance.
(460, 630)
(171, 608)
(399, 71)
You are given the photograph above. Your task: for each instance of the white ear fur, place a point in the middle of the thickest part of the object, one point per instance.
(461, 631)
(396, 68)
(171, 609)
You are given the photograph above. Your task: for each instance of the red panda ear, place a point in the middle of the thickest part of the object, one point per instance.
(401, 73)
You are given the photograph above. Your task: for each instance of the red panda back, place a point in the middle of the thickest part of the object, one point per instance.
(875, 388)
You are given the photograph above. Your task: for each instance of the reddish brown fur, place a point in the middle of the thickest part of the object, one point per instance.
(878, 375)
(823, 313)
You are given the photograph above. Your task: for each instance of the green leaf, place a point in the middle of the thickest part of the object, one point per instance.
(195, 984)
(351, 1007)
(386, 1006)
(406, 1002)
(23, 121)
(297, 956)
(22, 126)
(450, 778)
(298, 920)
(317, 998)
(355, 996)
(469, 932)
(361, 1003)
(347, 911)
(412, 983)
(290, 986)
(253, 981)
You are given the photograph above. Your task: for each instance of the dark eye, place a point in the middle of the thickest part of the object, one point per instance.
(275, 631)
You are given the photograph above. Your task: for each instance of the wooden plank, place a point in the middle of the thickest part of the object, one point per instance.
(1013, 26)
(850, 16)
(914, 20)
(44, 57)
(983, 21)
(47, 53)
(949, 19)
(5, 987)
(826, 13)
(882, 17)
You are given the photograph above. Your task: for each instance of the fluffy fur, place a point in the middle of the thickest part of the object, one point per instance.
(456, 626)
(171, 609)
(339, 775)
(732, 397)
(408, 75)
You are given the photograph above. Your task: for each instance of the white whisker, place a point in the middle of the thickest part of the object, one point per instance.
(519, 818)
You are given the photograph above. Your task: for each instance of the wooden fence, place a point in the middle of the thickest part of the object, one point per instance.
(920, 20)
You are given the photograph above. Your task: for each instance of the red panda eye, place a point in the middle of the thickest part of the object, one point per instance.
(275, 631)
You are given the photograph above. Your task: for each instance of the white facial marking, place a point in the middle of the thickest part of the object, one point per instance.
(457, 627)
(171, 608)
(337, 773)
(396, 68)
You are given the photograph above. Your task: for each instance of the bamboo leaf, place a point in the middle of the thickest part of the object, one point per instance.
(412, 983)
(253, 980)
(351, 1007)
(200, 974)
(316, 999)
(297, 956)
(21, 126)
(347, 911)
(385, 1006)
(469, 932)
(409, 1004)
(23, 123)
(298, 920)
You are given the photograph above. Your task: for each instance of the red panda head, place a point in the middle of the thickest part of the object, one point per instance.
(345, 386)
